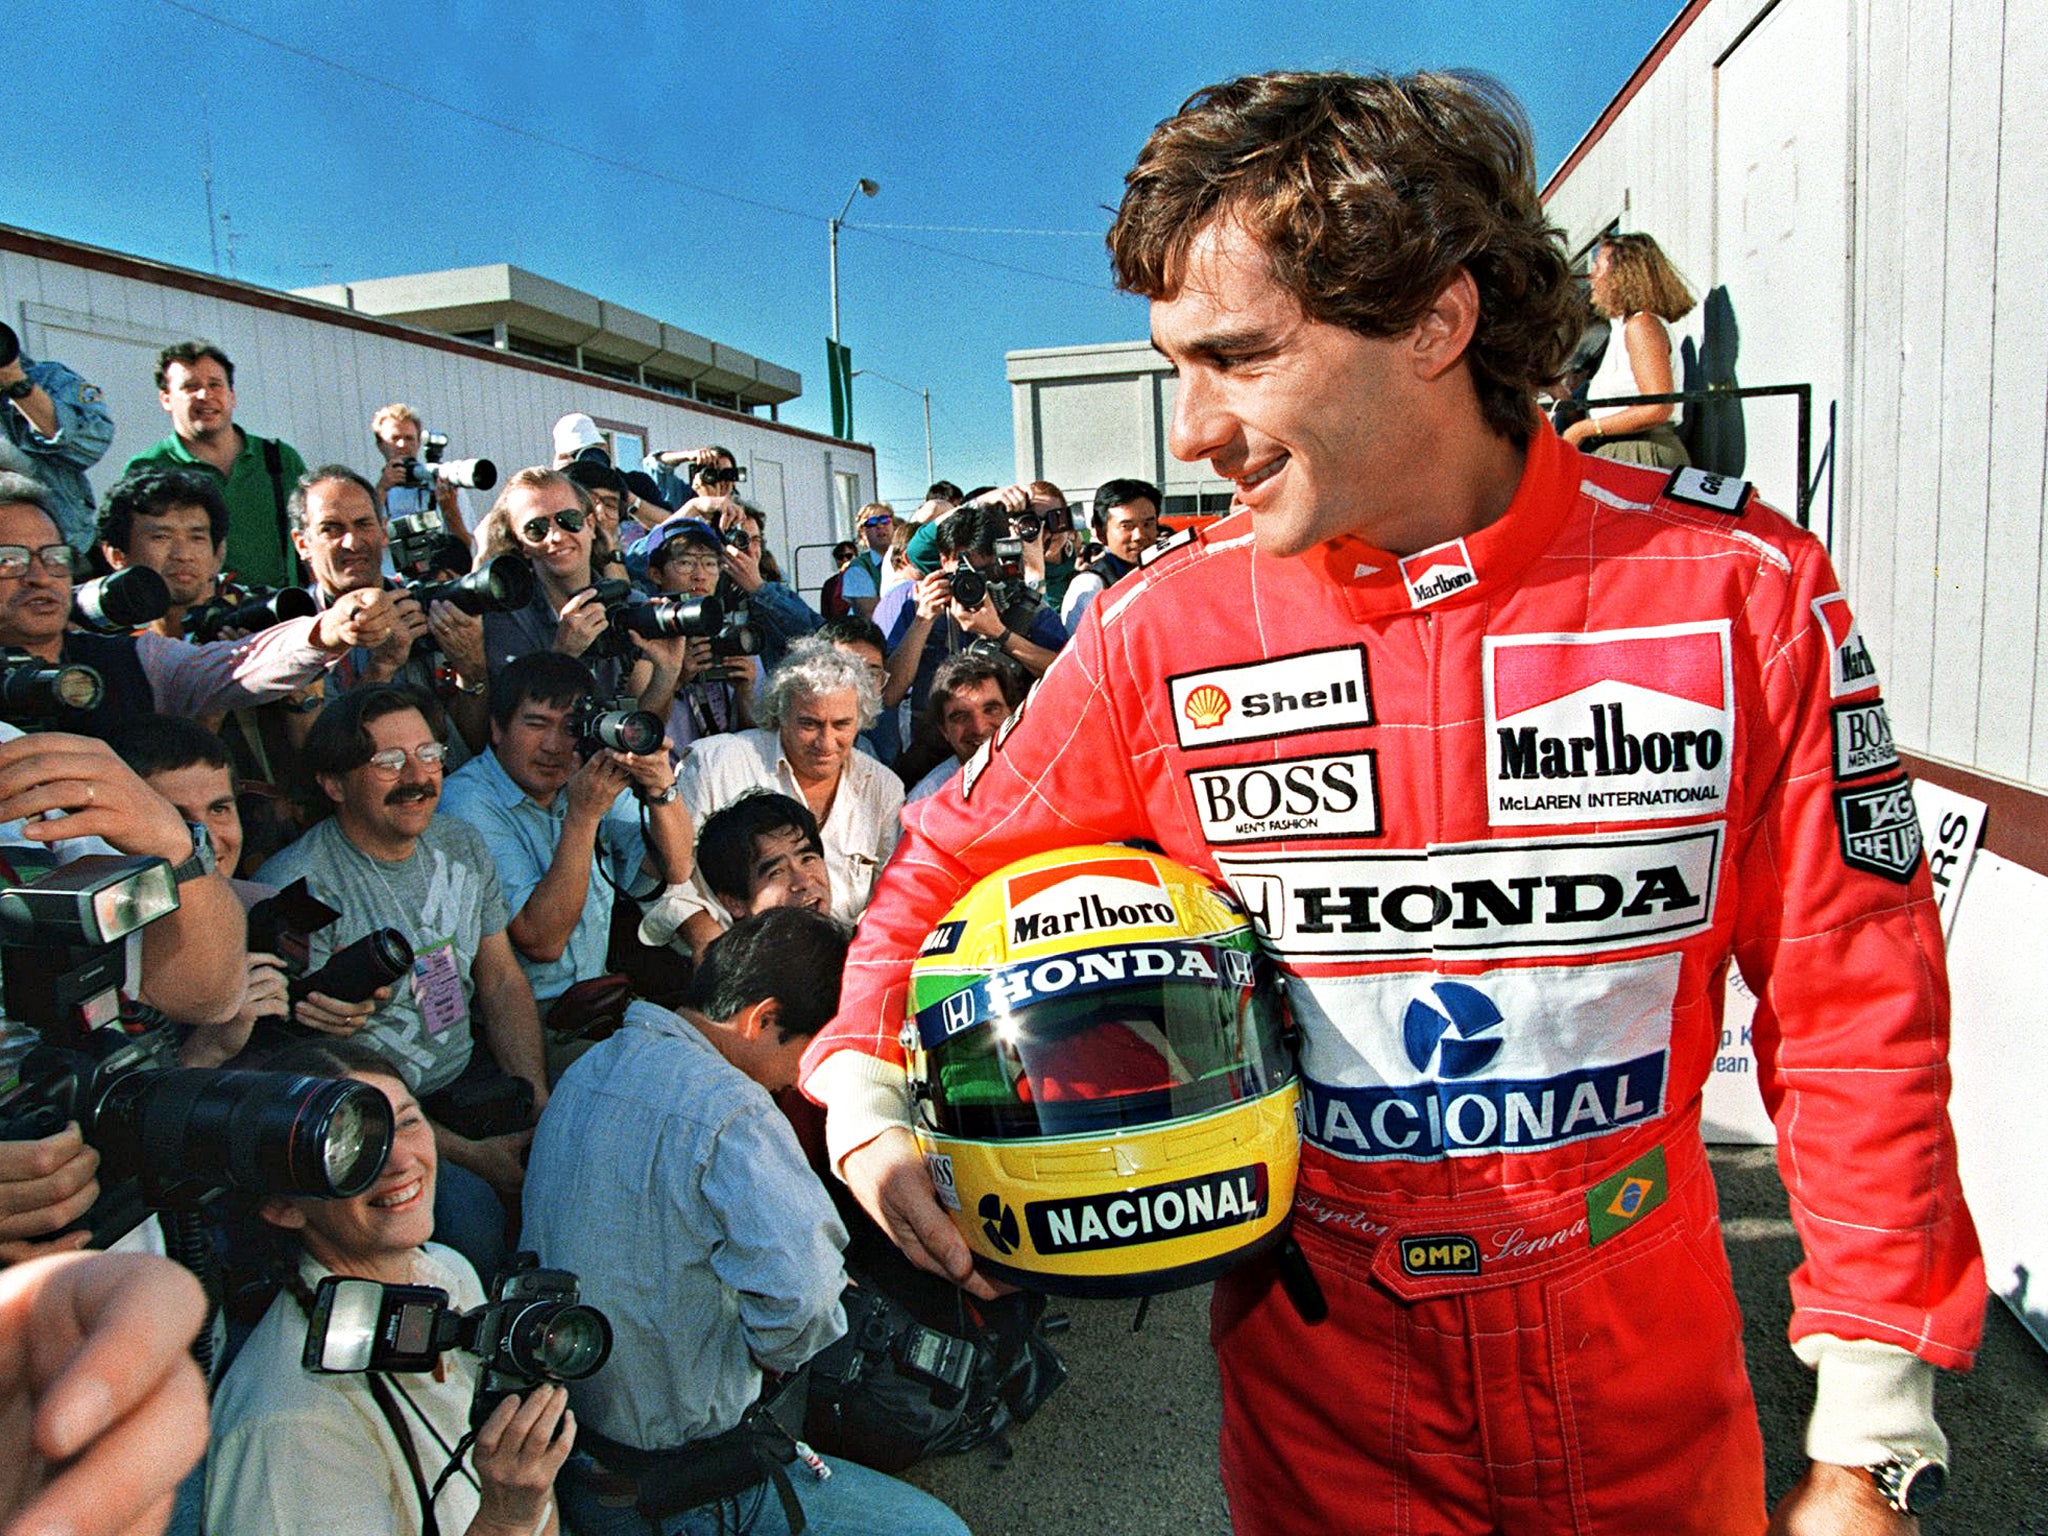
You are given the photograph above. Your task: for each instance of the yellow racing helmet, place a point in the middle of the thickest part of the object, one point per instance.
(1104, 1078)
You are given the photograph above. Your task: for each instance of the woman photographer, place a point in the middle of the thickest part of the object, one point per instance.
(546, 517)
(298, 1451)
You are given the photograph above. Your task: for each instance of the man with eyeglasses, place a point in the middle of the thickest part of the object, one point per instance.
(151, 672)
(716, 694)
(383, 858)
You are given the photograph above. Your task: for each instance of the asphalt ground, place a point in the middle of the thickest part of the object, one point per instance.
(1128, 1446)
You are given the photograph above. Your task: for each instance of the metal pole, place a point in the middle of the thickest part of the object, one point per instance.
(832, 227)
(930, 476)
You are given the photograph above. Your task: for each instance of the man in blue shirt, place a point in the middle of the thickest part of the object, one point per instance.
(545, 813)
(58, 427)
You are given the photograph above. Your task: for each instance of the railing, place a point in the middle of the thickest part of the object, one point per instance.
(1802, 392)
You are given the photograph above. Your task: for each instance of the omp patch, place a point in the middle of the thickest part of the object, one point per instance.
(1880, 828)
(1536, 897)
(1152, 1214)
(1863, 739)
(1618, 1203)
(1615, 725)
(1438, 572)
(1291, 696)
(1851, 668)
(1717, 493)
(1293, 798)
(1447, 1254)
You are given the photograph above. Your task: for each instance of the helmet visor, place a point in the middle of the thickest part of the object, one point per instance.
(1136, 1051)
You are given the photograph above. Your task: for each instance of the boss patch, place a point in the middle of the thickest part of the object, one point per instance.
(1863, 740)
(1879, 828)
(1447, 1254)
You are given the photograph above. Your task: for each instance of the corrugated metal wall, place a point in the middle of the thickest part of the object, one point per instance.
(316, 383)
(1943, 291)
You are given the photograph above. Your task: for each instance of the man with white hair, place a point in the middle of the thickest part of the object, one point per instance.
(815, 705)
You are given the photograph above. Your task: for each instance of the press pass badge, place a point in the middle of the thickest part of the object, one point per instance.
(437, 988)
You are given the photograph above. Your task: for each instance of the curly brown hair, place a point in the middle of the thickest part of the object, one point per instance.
(1640, 279)
(1367, 194)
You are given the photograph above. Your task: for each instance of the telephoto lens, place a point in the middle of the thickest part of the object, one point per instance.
(248, 610)
(354, 972)
(664, 617)
(270, 1133)
(32, 689)
(113, 605)
(622, 730)
(500, 586)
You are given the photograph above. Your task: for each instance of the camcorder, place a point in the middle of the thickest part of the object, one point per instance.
(283, 925)
(123, 601)
(34, 692)
(169, 1137)
(729, 629)
(600, 726)
(246, 609)
(534, 1329)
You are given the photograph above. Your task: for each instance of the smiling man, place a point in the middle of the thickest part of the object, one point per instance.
(1437, 682)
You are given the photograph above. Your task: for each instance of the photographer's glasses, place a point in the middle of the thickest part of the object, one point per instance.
(879, 520)
(58, 559)
(535, 529)
(389, 763)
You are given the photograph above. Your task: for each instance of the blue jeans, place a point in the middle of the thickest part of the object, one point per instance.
(853, 1501)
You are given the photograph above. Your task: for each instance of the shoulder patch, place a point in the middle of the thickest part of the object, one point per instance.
(1879, 828)
(1717, 493)
(90, 394)
(1179, 540)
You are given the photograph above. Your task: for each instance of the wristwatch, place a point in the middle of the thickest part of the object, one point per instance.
(202, 860)
(666, 797)
(1912, 1483)
(20, 389)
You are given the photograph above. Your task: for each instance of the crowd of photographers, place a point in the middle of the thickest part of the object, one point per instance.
(546, 831)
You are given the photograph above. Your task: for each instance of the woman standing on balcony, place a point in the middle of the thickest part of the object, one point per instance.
(1636, 287)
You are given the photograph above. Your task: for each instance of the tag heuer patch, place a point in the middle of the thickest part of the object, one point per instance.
(1717, 493)
(1618, 1203)
(1879, 827)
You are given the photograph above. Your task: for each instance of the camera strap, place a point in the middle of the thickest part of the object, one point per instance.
(380, 1390)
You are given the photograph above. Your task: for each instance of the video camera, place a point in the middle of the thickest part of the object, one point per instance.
(168, 1137)
(534, 1329)
(33, 691)
(247, 609)
(125, 600)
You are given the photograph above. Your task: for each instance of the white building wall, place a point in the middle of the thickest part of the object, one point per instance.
(314, 376)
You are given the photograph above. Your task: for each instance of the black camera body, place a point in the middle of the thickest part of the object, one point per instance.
(283, 925)
(34, 692)
(247, 609)
(600, 726)
(534, 1329)
(503, 585)
(169, 1137)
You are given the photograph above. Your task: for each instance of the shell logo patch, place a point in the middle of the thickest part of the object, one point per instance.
(1206, 707)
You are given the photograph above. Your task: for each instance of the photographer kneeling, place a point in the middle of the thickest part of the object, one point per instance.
(298, 1451)
(666, 1178)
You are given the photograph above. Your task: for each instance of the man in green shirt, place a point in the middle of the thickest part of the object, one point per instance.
(196, 386)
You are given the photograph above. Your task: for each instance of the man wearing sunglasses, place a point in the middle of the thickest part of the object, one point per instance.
(150, 672)
(383, 858)
(861, 585)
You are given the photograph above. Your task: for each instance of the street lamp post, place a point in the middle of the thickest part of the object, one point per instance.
(860, 188)
(930, 475)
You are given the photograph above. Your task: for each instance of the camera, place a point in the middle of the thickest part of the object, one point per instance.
(671, 615)
(719, 475)
(534, 1329)
(599, 726)
(33, 691)
(970, 587)
(737, 537)
(737, 635)
(283, 925)
(247, 609)
(168, 1137)
(115, 604)
(432, 469)
(1026, 527)
(421, 543)
(503, 585)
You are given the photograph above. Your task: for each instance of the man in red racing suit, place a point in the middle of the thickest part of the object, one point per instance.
(1503, 810)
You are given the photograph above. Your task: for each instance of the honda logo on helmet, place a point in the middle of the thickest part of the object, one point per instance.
(959, 1010)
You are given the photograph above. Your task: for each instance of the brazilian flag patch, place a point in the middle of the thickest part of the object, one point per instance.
(1618, 1203)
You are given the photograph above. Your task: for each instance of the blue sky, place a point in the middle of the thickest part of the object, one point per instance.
(715, 141)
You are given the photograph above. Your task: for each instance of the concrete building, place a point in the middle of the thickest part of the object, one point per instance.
(1083, 415)
(314, 372)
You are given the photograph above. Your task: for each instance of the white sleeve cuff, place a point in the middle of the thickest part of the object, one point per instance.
(1871, 1401)
(863, 1097)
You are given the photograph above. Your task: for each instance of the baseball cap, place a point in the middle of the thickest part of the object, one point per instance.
(575, 432)
(680, 529)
